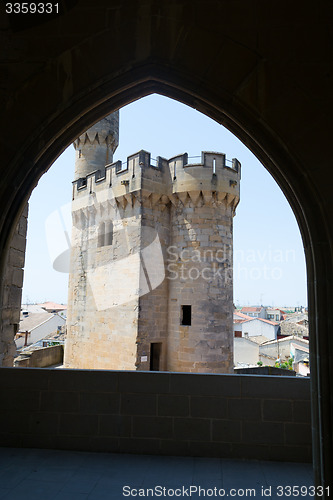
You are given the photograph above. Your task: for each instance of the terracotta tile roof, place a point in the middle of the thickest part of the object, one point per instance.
(53, 305)
(268, 321)
(241, 315)
(260, 319)
(251, 309)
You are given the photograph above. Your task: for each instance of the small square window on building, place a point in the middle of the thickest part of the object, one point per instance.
(186, 316)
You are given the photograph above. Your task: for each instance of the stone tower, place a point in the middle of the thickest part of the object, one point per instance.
(151, 261)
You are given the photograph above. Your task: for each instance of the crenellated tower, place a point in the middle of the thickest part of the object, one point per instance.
(95, 148)
(151, 266)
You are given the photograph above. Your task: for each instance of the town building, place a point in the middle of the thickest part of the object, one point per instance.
(35, 326)
(246, 352)
(53, 307)
(282, 349)
(274, 314)
(254, 311)
(253, 327)
(295, 324)
(264, 312)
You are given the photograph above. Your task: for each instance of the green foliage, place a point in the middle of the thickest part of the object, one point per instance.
(286, 365)
(260, 363)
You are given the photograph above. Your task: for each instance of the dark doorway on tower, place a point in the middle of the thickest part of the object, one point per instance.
(155, 356)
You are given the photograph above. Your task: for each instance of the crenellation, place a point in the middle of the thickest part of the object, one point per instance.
(205, 182)
(95, 147)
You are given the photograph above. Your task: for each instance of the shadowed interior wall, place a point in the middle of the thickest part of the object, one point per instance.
(262, 69)
(12, 283)
(242, 416)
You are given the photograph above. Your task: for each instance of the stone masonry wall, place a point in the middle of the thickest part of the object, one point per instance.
(95, 147)
(231, 416)
(41, 358)
(122, 296)
(200, 264)
(153, 306)
(103, 288)
(12, 291)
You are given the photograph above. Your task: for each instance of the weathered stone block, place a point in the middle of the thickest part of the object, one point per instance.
(52, 401)
(138, 404)
(19, 400)
(99, 403)
(16, 258)
(278, 411)
(73, 425)
(192, 429)
(245, 409)
(151, 427)
(265, 433)
(17, 277)
(226, 431)
(210, 407)
(298, 433)
(302, 411)
(43, 423)
(115, 425)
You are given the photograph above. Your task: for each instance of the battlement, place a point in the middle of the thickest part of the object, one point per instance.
(214, 172)
(95, 147)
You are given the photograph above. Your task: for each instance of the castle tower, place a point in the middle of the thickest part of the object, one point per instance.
(200, 300)
(150, 283)
(95, 148)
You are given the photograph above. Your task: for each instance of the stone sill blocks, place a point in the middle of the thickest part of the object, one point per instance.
(231, 416)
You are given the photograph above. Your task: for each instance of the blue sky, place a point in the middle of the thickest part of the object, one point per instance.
(269, 264)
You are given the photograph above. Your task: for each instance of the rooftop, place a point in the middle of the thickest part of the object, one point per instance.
(251, 309)
(287, 339)
(241, 315)
(259, 339)
(274, 323)
(54, 306)
(33, 320)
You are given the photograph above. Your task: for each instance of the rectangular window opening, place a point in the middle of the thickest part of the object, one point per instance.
(101, 235)
(108, 233)
(186, 316)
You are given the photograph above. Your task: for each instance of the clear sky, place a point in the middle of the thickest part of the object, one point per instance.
(269, 264)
